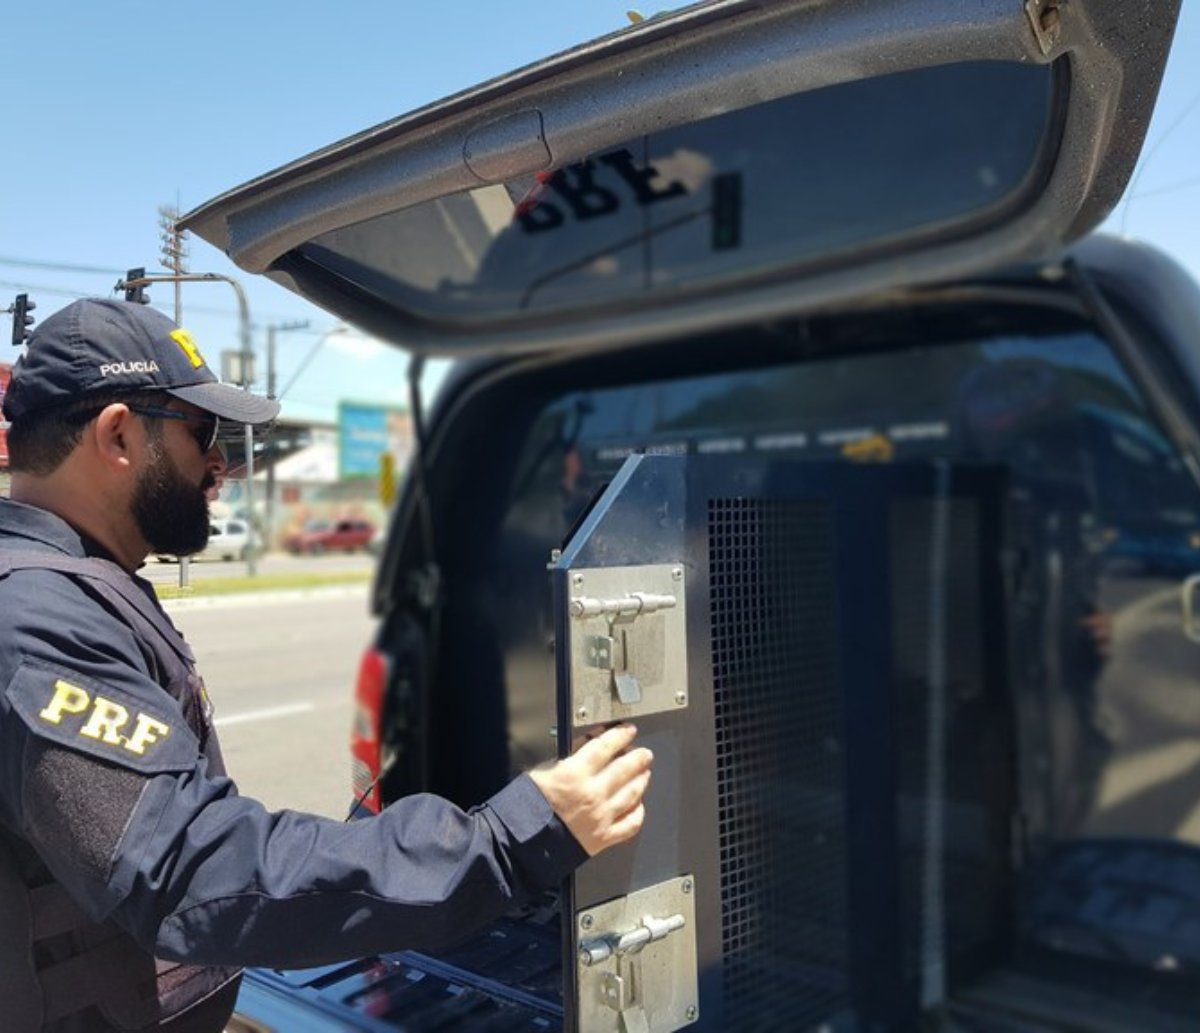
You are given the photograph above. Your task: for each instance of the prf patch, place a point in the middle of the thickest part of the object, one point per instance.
(188, 343)
(104, 721)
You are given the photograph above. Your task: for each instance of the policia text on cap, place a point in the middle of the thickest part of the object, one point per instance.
(134, 880)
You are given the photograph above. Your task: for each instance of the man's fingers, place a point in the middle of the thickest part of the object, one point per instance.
(598, 753)
(598, 790)
(627, 827)
(629, 796)
(625, 769)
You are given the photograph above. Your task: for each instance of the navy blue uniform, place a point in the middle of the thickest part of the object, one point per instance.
(110, 783)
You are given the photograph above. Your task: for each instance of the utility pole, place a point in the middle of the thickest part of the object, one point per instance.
(174, 258)
(271, 331)
(174, 252)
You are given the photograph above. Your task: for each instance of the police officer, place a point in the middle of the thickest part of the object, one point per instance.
(134, 880)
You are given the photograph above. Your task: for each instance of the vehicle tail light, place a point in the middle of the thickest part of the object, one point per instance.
(366, 748)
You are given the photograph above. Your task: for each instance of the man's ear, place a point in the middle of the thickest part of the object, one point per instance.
(114, 435)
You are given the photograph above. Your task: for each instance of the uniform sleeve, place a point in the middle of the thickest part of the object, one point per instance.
(103, 777)
(239, 885)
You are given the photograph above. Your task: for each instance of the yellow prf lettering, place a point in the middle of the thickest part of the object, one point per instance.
(67, 699)
(146, 731)
(185, 341)
(106, 719)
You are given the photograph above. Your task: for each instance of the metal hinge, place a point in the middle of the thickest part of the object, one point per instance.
(1045, 18)
(628, 642)
(612, 652)
(637, 961)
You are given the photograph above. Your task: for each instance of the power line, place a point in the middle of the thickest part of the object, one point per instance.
(1137, 176)
(66, 267)
(208, 310)
(98, 270)
(61, 267)
(1170, 188)
(35, 289)
(304, 363)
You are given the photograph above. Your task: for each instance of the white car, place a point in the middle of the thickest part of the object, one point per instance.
(227, 540)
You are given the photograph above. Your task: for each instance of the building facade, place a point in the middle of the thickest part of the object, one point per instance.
(5, 371)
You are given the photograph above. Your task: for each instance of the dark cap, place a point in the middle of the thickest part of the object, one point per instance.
(103, 345)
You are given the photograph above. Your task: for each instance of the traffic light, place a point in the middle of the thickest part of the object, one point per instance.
(138, 293)
(22, 320)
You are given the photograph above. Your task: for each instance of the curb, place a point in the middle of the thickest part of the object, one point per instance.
(265, 598)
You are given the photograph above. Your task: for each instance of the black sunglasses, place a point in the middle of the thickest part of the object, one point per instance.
(205, 426)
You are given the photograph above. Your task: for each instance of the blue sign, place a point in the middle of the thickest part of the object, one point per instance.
(367, 432)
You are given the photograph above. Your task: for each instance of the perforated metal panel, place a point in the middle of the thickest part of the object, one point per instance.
(779, 762)
(841, 771)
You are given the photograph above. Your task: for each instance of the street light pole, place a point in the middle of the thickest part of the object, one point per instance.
(247, 362)
(271, 331)
(133, 282)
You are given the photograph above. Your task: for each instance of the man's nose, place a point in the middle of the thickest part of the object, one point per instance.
(217, 463)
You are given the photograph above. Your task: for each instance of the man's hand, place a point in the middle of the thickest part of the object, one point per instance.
(597, 791)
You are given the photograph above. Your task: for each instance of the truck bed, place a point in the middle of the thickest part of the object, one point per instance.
(503, 980)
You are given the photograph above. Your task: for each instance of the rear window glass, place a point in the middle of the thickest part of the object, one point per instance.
(1058, 410)
(1100, 522)
(812, 178)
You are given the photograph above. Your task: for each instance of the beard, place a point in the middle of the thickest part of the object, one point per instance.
(171, 512)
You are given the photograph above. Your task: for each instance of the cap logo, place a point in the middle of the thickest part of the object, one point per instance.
(185, 341)
(110, 369)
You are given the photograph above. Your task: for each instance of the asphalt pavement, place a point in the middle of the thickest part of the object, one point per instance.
(281, 672)
(1146, 706)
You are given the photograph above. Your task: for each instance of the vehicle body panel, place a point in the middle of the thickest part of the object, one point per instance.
(492, 556)
(1104, 57)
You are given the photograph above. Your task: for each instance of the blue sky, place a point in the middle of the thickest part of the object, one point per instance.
(111, 110)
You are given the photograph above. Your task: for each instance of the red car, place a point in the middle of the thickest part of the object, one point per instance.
(342, 535)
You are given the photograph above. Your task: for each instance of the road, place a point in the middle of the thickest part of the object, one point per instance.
(1147, 706)
(281, 677)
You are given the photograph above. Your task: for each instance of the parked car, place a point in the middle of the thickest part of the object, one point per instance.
(796, 401)
(227, 540)
(335, 536)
